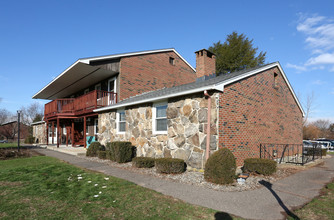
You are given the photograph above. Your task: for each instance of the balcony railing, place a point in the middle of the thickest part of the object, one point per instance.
(81, 105)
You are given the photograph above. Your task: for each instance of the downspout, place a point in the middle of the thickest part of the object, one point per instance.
(208, 129)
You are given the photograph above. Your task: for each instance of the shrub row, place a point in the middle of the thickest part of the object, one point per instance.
(143, 162)
(93, 149)
(261, 166)
(120, 152)
(315, 152)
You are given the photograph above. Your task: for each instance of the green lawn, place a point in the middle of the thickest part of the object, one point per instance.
(5, 145)
(319, 208)
(43, 188)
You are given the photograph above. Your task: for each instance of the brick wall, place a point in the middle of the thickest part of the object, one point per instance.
(258, 110)
(143, 73)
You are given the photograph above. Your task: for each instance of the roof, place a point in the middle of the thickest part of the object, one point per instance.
(218, 83)
(80, 74)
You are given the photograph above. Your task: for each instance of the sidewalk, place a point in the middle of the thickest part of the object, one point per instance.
(268, 202)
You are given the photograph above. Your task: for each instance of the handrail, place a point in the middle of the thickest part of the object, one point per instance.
(80, 105)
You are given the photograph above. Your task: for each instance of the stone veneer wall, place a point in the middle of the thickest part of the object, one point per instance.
(186, 136)
(39, 132)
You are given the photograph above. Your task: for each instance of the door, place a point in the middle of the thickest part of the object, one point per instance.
(112, 88)
(54, 134)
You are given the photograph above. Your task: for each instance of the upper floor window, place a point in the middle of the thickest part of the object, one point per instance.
(172, 61)
(159, 120)
(275, 80)
(86, 91)
(121, 121)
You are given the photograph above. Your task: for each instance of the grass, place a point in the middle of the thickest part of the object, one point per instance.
(44, 187)
(6, 145)
(321, 207)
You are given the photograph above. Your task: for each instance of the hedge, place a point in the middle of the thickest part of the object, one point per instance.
(143, 162)
(120, 151)
(170, 165)
(93, 149)
(260, 166)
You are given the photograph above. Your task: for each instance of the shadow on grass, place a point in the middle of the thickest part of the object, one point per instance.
(222, 216)
(268, 185)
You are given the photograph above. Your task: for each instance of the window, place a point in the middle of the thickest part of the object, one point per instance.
(121, 119)
(172, 61)
(96, 126)
(159, 118)
(86, 91)
(275, 80)
(98, 87)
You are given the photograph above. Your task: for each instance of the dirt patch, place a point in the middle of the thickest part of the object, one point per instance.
(6, 154)
(6, 183)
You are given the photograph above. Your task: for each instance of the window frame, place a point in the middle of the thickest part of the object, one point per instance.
(118, 121)
(96, 124)
(154, 117)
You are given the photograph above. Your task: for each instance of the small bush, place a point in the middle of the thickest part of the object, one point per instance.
(102, 154)
(259, 165)
(170, 165)
(220, 167)
(108, 155)
(94, 148)
(120, 151)
(29, 140)
(143, 162)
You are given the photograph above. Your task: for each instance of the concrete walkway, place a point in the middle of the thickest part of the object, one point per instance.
(268, 202)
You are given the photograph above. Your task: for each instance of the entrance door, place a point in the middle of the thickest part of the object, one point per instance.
(112, 88)
(54, 134)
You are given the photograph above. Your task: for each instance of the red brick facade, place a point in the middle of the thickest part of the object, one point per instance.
(255, 110)
(144, 73)
(205, 63)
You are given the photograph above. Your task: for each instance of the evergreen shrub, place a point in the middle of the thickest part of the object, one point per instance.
(170, 165)
(120, 151)
(143, 162)
(94, 148)
(260, 166)
(220, 167)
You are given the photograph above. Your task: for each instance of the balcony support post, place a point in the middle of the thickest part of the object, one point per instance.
(47, 133)
(53, 130)
(58, 133)
(84, 134)
(72, 133)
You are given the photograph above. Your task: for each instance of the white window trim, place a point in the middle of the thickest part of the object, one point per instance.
(96, 124)
(118, 120)
(154, 113)
(97, 85)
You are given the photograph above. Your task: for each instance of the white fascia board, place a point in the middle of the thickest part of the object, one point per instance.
(38, 122)
(219, 87)
(184, 60)
(57, 77)
(276, 64)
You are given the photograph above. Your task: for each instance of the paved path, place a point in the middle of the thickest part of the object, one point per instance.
(268, 202)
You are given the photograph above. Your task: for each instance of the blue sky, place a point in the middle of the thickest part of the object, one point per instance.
(40, 39)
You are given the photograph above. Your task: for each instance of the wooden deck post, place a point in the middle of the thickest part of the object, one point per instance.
(58, 132)
(47, 133)
(84, 134)
(72, 133)
(66, 127)
(53, 130)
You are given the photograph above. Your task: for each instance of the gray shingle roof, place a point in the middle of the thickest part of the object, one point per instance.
(182, 88)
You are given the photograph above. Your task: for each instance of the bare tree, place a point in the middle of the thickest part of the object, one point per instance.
(9, 130)
(33, 112)
(5, 116)
(308, 105)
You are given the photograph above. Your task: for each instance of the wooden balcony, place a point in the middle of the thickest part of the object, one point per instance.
(82, 105)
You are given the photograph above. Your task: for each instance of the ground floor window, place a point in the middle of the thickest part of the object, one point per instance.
(159, 120)
(121, 119)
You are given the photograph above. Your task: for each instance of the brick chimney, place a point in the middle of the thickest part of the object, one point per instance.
(205, 64)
